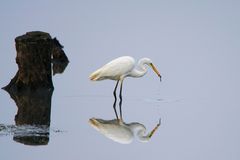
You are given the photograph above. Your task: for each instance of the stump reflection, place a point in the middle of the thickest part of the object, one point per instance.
(33, 116)
(34, 107)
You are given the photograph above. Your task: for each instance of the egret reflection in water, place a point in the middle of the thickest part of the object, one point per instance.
(120, 131)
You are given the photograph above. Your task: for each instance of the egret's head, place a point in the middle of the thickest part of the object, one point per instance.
(147, 61)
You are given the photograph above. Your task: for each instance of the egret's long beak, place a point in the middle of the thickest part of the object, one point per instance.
(156, 71)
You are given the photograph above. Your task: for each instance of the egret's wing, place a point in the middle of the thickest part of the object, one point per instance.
(117, 68)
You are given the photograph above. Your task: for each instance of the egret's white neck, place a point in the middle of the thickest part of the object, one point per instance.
(140, 69)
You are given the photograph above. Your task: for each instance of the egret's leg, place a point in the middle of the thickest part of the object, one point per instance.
(114, 92)
(115, 100)
(120, 96)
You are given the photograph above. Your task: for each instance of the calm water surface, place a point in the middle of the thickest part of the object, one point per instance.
(197, 123)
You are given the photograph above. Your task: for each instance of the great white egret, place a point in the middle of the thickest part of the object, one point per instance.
(123, 67)
(122, 132)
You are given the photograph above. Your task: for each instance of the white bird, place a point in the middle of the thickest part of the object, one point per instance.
(121, 132)
(120, 68)
(123, 67)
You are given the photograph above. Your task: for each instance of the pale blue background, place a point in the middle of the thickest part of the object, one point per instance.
(195, 46)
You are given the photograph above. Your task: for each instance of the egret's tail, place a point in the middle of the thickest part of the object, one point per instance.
(95, 75)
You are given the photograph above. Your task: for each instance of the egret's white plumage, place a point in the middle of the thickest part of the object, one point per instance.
(122, 67)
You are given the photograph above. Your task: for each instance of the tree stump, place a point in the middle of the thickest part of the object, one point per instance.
(34, 56)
